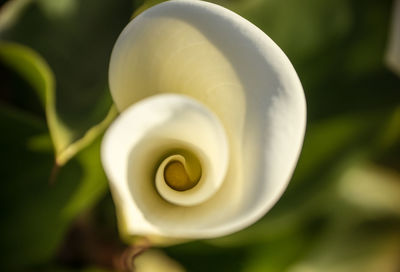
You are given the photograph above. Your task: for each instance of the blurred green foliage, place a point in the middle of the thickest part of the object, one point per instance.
(63, 33)
(341, 211)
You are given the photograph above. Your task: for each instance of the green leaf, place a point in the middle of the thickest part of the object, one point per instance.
(35, 70)
(36, 215)
(75, 39)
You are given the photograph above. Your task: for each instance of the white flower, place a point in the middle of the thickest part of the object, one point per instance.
(212, 122)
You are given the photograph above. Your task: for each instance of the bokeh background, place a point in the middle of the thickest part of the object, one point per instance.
(340, 213)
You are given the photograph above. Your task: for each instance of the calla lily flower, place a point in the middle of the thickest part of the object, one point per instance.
(211, 126)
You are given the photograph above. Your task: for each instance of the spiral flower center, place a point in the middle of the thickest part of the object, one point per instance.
(178, 178)
(179, 172)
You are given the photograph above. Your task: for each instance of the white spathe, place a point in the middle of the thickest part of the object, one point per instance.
(149, 131)
(216, 86)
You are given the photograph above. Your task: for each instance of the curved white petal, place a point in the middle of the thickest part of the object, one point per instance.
(163, 128)
(221, 60)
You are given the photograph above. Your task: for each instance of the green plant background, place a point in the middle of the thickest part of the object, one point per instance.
(340, 213)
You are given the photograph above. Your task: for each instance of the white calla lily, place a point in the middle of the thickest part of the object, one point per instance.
(212, 122)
